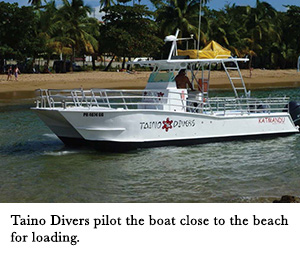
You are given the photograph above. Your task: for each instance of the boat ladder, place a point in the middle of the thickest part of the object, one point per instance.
(235, 77)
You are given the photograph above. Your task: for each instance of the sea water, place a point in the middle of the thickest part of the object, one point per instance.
(35, 166)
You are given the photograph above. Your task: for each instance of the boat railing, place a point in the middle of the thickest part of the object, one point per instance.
(157, 100)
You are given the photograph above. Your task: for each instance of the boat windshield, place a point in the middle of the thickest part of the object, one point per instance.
(161, 77)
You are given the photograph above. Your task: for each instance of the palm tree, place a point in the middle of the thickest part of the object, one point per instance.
(73, 28)
(50, 31)
(106, 3)
(182, 14)
(45, 28)
(227, 27)
(260, 23)
(36, 3)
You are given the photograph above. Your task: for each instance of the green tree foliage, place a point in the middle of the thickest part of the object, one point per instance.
(260, 33)
(27, 32)
(261, 29)
(71, 30)
(19, 37)
(47, 28)
(129, 31)
(37, 3)
(268, 37)
(225, 27)
(106, 4)
(289, 49)
(74, 23)
(182, 14)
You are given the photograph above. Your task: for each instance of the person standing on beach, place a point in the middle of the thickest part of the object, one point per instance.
(16, 73)
(9, 73)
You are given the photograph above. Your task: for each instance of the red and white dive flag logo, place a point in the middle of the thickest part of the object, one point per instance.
(167, 124)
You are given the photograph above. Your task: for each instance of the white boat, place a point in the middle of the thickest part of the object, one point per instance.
(162, 114)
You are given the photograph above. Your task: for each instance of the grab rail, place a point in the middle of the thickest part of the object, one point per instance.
(155, 99)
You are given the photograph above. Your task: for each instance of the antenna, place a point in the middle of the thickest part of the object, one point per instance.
(172, 38)
(199, 28)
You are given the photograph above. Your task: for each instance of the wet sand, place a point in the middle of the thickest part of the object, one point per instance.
(261, 79)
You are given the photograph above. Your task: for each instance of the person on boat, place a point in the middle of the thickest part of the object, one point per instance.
(182, 80)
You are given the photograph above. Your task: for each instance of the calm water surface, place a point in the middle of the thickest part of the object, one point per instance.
(37, 167)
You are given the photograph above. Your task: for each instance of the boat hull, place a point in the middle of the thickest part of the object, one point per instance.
(114, 146)
(115, 130)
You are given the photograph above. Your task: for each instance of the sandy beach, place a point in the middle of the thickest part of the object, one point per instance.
(261, 79)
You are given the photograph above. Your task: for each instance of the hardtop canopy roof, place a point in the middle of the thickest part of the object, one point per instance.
(177, 64)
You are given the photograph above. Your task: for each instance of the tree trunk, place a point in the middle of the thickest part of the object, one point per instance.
(32, 65)
(94, 61)
(72, 59)
(48, 59)
(109, 64)
(123, 63)
(2, 65)
(64, 67)
(129, 66)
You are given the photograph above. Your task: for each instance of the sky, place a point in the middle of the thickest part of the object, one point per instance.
(214, 4)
